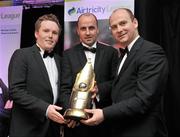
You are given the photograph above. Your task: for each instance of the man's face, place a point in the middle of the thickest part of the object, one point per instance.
(123, 28)
(47, 35)
(87, 30)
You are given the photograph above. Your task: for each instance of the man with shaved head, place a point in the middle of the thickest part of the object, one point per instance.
(137, 91)
(104, 61)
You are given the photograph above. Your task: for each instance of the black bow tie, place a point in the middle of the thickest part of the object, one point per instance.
(93, 50)
(123, 51)
(50, 54)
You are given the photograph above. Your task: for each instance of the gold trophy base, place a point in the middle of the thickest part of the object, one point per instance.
(75, 114)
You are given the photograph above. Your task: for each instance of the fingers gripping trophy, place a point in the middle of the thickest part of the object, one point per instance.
(81, 96)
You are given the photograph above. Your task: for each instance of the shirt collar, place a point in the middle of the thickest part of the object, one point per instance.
(132, 43)
(93, 46)
(40, 49)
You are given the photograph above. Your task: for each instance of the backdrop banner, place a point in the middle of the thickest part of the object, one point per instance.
(10, 33)
(102, 9)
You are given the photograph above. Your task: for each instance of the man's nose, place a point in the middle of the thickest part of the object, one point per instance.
(87, 31)
(50, 34)
(119, 28)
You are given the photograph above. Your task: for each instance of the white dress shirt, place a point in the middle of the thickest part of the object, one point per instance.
(52, 73)
(89, 55)
(125, 56)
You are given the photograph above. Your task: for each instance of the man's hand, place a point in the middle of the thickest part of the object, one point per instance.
(96, 119)
(54, 115)
(94, 91)
(72, 123)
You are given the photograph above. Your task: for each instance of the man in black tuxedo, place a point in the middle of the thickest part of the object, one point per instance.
(34, 79)
(137, 91)
(4, 113)
(104, 61)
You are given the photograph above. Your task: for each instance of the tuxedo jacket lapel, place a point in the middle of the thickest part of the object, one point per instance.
(57, 60)
(98, 58)
(131, 55)
(41, 65)
(81, 56)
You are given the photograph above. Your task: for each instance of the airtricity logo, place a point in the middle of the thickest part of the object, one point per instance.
(81, 10)
(71, 11)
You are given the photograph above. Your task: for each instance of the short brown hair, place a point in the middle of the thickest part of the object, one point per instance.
(50, 17)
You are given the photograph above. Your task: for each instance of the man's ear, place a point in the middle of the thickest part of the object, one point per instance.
(36, 34)
(77, 31)
(135, 21)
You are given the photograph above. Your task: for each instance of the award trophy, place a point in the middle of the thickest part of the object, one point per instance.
(81, 95)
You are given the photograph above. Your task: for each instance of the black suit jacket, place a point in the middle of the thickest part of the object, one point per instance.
(137, 93)
(31, 91)
(105, 65)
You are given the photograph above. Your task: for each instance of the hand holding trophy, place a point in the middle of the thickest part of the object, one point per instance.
(81, 94)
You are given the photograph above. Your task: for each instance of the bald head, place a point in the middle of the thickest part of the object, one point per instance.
(123, 26)
(87, 15)
(128, 11)
(87, 28)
